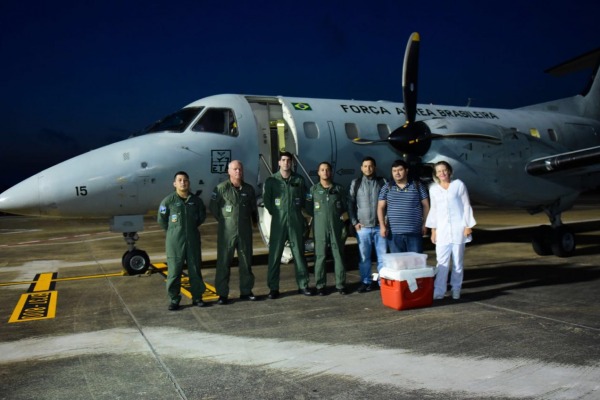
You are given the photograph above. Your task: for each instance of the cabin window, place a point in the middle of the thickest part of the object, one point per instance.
(311, 130)
(383, 130)
(176, 122)
(552, 135)
(217, 120)
(351, 130)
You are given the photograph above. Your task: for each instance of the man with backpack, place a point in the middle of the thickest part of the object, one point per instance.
(362, 209)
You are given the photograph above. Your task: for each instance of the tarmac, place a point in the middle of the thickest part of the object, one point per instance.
(72, 325)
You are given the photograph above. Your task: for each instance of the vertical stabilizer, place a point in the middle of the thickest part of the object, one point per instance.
(586, 104)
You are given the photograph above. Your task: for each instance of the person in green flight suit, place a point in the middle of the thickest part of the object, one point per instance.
(328, 204)
(284, 196)
(180, 214)
(233, 204)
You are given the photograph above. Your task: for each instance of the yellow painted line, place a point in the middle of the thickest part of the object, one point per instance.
(35, 306)
(78, 278)
(75, 278)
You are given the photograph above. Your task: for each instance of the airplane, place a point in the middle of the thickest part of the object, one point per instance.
(537, 158)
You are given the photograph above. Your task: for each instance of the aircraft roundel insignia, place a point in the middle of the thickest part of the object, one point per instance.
(302, 106)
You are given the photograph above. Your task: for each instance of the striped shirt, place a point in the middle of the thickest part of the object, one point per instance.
(404, 208)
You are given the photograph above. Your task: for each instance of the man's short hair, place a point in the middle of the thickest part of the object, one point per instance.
(285, 154)
(369, 158)
(325, 163)
(400, 163)
(181, 173)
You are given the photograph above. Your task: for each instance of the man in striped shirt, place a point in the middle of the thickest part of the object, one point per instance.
(407, 205)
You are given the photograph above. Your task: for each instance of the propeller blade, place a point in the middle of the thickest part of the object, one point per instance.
(410, 75)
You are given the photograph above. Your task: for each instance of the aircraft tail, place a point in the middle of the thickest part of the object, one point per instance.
(586, 104)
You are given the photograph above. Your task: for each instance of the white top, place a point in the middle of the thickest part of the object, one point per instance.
(450, 213)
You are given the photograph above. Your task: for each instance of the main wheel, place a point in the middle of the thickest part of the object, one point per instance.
(563, 244)
(136, 262)
(542, 240)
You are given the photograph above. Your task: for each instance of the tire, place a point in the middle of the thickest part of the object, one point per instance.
(542, 240)
(563, 243)
(136, 262)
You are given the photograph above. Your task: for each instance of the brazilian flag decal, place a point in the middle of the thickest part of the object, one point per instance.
(302, 106)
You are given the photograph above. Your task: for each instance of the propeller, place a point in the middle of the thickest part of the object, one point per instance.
(414, 137)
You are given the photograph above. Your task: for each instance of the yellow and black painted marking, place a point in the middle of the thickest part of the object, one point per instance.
(40, 300)
(209, 294)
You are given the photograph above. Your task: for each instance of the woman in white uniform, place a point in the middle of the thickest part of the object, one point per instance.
(450, 219)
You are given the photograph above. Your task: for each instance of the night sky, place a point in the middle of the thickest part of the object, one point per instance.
(77, 76)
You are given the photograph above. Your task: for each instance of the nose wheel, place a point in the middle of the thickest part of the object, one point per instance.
(134, 261)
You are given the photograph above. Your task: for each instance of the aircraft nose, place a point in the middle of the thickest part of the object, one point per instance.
(22, 199)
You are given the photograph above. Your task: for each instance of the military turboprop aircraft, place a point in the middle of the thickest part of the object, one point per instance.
(538, 158)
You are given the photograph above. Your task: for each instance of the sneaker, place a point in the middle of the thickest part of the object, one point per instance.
(223, 300)
(322, 292)
(273, 294)
(173, 306)
(342, 291)
(437, 296)
(363, 288)
(456, 294)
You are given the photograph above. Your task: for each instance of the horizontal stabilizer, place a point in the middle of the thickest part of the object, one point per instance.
(587, 60)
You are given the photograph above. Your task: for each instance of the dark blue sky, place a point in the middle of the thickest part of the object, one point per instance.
(75, 76)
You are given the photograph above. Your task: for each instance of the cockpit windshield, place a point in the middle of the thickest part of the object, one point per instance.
(176, 122)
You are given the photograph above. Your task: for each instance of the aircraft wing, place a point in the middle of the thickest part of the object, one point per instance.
(572, 163)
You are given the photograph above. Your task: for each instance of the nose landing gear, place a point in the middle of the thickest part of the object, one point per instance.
(134, 261)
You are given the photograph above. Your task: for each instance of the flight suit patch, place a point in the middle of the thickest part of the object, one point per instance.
(317, 205)
(174, 218)
(228, 208)
(277, 202)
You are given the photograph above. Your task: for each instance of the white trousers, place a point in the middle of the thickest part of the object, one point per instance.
(443, 253)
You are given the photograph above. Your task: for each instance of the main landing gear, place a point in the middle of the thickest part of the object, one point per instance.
(135, 261)
(557, 239)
